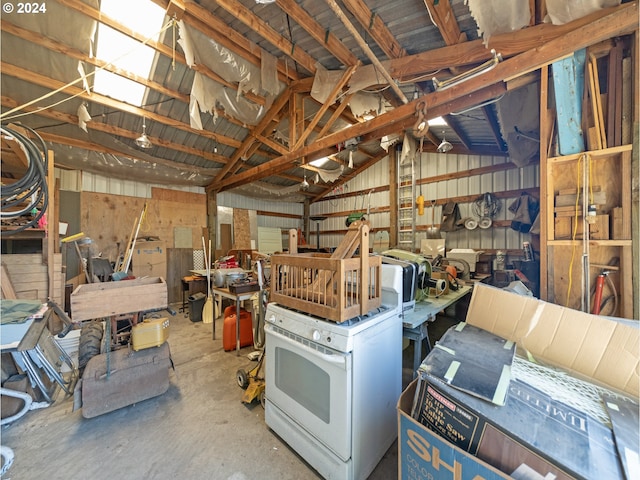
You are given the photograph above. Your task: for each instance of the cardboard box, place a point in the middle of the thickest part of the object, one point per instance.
(149, 259)
(423, 455)
(514, 415)
(602, 350)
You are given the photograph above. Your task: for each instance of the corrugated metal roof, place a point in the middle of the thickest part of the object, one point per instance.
(167, 112)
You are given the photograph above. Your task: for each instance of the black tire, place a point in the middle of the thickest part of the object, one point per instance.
(242, 379)
(90, 343)
(262, 398)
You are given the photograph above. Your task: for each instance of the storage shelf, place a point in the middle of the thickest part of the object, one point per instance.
(610, 170)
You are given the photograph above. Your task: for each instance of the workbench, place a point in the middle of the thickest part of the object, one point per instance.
(415, 323)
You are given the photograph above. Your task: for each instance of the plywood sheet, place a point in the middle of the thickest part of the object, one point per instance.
(241, 229)
(108, 219)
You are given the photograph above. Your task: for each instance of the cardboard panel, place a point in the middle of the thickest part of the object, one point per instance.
(601, 348)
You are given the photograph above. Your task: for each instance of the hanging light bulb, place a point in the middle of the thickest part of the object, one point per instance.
(304, 185)
(350, 158)
(215, 145)
(444, 146)
(143, 141)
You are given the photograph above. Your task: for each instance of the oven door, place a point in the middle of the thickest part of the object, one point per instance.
(312, 385)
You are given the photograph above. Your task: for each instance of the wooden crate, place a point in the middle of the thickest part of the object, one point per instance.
(330, 288)
(98, 300)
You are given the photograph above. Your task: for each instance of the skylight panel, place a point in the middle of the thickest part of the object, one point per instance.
(143, 17)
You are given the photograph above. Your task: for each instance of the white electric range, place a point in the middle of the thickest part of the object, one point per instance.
(332, 389)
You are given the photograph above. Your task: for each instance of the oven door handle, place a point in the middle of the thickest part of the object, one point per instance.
(339, 359)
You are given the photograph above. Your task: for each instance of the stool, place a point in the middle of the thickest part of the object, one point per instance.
(185, 292)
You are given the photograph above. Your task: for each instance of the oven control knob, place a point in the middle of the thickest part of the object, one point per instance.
(316, 335)
(271, 318)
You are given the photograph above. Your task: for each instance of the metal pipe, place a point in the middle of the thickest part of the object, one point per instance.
(474, 72)
(336, 9)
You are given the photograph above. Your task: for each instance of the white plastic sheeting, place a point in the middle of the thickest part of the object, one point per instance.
(409, 149)
(498, 16)
(562, 11)
(125, 162)
(362, 103)
(268, 191)
(324, 82)
(367, 75)
(207, 95)
(330, 175)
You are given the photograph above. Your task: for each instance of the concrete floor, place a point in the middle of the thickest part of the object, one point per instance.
(198, 429)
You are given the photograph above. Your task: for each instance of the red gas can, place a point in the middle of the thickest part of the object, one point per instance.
(229, 331)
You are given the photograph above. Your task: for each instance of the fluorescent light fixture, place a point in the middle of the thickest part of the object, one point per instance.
(143, 17)
(474, 72)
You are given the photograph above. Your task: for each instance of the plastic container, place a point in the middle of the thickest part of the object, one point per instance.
(229, 331)
(196, 303)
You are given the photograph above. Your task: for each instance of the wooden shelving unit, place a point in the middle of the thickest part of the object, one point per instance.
(576, 255)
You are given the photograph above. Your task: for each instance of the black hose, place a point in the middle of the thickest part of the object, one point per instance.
(32, 186)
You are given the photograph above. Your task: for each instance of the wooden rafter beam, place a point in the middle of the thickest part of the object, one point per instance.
(121, 132)
(263, 29)
(350, 175)
(331, 98)
(96, 147)
(507, 44)
(52, 84)
(325, 38)
(445, 20)
(375, 28)
(202, 19)
(275, 109)
(612, 22)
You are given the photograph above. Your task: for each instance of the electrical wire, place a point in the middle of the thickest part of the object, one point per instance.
(573, 234)
(32, 187)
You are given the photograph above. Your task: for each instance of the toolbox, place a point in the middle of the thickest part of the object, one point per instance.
(229, 331)
(243, 286)
(113, 380)
(149, 333)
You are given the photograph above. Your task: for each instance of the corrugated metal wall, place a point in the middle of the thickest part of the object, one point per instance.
(436, 165)
(428, 166)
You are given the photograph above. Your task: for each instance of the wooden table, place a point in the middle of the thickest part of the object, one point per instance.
(414, 324)
(238, 298)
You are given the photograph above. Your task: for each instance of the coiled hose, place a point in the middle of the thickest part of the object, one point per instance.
(32, 187)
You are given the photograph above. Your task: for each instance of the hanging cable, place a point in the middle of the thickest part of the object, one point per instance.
(31, 188)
